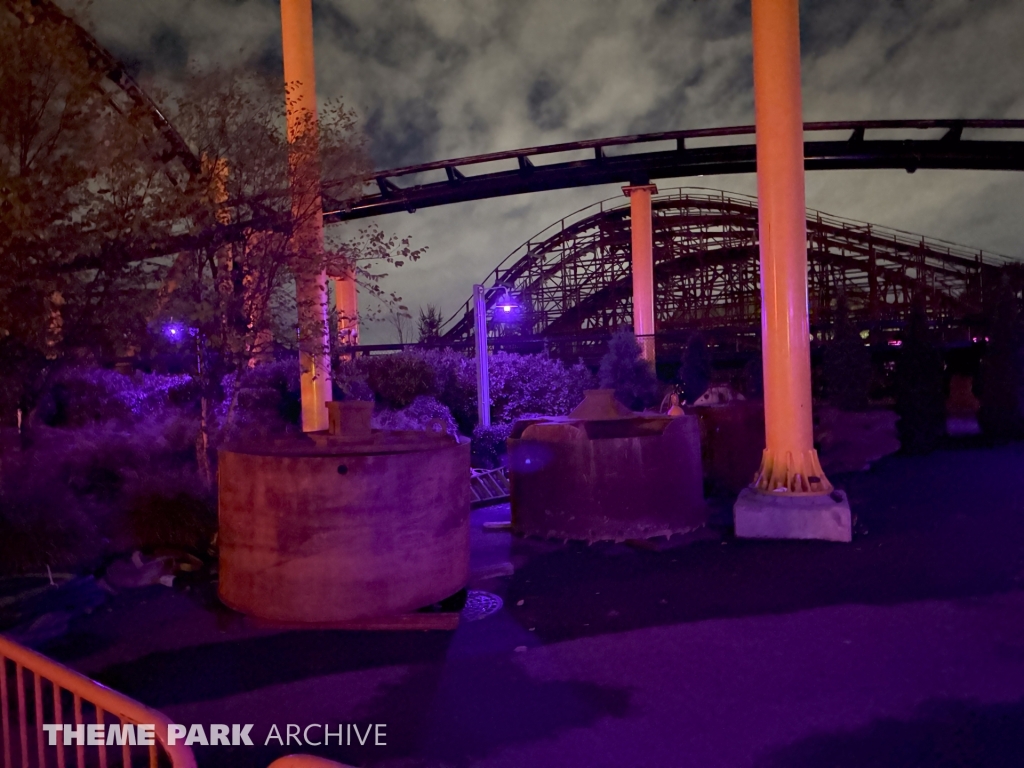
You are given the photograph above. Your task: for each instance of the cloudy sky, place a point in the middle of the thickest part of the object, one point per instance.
(434, 79)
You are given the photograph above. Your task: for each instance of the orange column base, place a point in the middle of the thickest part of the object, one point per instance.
(798, 474)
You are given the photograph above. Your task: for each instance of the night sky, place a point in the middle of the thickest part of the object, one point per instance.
(433, 79)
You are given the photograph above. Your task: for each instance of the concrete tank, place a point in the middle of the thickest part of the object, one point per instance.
(605, 473)
(328, 528)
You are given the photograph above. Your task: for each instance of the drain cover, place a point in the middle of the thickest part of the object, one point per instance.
(480, 605)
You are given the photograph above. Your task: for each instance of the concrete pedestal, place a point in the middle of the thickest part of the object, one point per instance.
(759, 515)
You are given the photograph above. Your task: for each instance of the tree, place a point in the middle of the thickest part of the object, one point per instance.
(399, 321)
(428, 326)
(920, 401)
(82, 182)
(695, 369)
(1000, 378)
(847, 363)
(623, 370)
(103, 241)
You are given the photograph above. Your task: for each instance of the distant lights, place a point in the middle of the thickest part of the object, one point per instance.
(895, 343)
(174, 331)
(178, 331)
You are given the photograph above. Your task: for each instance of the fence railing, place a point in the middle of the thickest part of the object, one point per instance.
(36, 691)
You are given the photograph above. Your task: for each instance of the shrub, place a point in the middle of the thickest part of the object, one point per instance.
(999, 381)
(108, 465)
(399, 379)
(42, 523)
(22, 374)
(522, 385)
(632, 378)
(258, 402)
(920, 402)
(77, 494)
(77, 396)
(489, 446)
(455, 384)
(419, 415)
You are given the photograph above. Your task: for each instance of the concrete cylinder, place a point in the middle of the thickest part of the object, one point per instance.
(607, 480)
(320, 529)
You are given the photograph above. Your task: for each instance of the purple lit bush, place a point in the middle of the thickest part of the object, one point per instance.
(110, 461)
(108, 465)
(455, 384)
(488, 448)
(79, 396)
(258, 403)
(520, 384)
(421, 414)
(523, 385)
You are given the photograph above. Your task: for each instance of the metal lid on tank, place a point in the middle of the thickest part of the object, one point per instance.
(378, 442)
(599, 417)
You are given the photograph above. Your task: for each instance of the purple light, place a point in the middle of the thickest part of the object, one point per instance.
(895, 343)
(507, 307)
(174, 331)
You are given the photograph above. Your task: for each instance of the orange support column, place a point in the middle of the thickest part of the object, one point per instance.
(346, 299)
(308, 232)
(643, 266)
(790, 497)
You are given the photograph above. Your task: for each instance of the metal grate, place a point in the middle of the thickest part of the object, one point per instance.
(480, 605)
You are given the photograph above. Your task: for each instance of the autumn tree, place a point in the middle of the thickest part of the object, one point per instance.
(82, 180)
(106, 235)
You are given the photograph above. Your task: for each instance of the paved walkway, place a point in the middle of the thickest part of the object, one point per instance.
(904, 648)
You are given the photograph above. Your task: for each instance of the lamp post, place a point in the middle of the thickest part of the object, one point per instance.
(483, 383)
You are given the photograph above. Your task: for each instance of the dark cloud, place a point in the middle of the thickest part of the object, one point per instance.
(169, 46)
(445, 78)
(546, 105)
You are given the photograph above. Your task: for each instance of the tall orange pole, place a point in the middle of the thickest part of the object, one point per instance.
(643, 266)
(789, 462)
(308, 229)
(346, 299)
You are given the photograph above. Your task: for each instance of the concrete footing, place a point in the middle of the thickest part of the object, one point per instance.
(758, 515)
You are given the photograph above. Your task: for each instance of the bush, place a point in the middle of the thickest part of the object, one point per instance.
(257, 403)
(999, 381)
(76, 495)
(455, 384)
(919, 383)
(489, 446)
(108, 465)
(421, 414)
(78, 396)
(524, 385)
(399, 379)
(621, 369)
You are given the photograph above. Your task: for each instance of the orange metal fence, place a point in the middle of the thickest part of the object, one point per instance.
(37, 691)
